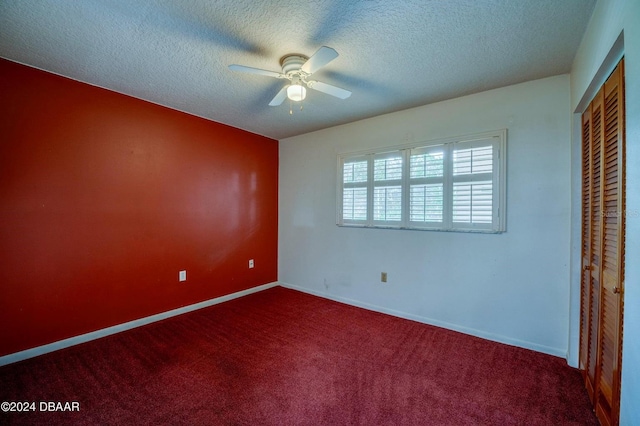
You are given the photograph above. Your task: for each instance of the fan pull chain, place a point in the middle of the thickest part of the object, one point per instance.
(291, 106)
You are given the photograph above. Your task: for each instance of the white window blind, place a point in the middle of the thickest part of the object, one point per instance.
(387, 188)
(473, 184)
(455, 184)
(426, 186)
(354, 196)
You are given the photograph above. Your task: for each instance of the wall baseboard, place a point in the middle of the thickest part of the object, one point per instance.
(466, 330)
(72, 341)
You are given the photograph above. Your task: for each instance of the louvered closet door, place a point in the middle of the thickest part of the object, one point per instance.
(607, 403)
(602, 249)
(595, 244)
(585, 280)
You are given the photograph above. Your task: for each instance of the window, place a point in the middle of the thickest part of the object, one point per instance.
(354, 198)
(387, 187)
(456, 184)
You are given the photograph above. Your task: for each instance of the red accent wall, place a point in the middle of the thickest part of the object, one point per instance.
(104, 198)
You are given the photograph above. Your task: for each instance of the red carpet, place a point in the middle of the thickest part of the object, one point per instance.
(281, 357)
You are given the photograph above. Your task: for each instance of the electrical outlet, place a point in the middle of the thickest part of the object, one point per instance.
(182, 276)
(250, 263)
(383, 277)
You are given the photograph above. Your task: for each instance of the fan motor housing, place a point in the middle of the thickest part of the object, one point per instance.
(292, 63)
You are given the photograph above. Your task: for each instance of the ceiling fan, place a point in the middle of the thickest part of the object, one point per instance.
(297, 69)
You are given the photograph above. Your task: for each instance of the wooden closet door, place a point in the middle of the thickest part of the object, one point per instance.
(612, 265)
(585, 279)
(602, 249)
(595, 244)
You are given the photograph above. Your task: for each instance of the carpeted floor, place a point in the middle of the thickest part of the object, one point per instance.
(281, 357)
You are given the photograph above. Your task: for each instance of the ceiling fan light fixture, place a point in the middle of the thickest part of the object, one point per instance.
(297, 68)
(296, 92)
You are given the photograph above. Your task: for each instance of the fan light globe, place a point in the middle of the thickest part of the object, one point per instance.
(296, 92)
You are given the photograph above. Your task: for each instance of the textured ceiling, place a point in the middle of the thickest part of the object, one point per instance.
(393, 54)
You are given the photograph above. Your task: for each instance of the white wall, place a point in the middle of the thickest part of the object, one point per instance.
(610, 19)
(511, 287)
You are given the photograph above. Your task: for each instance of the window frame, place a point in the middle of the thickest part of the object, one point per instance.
(496, 139)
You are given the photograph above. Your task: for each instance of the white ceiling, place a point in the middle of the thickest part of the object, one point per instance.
(393, 54)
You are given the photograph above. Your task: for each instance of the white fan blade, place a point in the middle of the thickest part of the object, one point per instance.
(322, 57)
(250, 70)
(329, 89)
(280, 97)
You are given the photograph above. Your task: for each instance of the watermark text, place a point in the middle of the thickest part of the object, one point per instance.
(26, 406)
